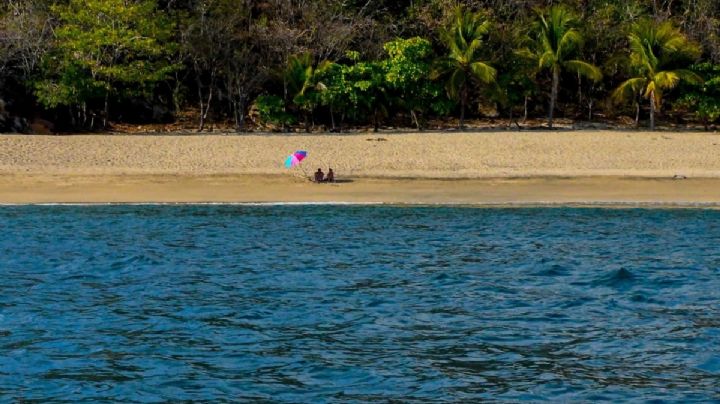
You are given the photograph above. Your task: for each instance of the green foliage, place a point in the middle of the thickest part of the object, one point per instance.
(515, 82)
(464, 63)
(365, 90)
(105, 47)
(407, 74)
(220, 55)
(353, 55)
(704, 99)
(557, 40)
(332, 87)
(659, 57)
(354, 90)
(271, 109)
(299, 81)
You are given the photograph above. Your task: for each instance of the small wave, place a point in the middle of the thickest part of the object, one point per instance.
(134, 261)
(620, 205)
(326, 203)
(711, 365)
(553, 270)
(617, 278)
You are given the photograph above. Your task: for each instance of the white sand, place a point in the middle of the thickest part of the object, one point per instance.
(418, 155)
(485, 168)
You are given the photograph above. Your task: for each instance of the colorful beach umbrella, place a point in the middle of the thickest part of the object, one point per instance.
(295, 158)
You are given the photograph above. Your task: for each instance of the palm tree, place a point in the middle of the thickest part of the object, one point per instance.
(557, 40)
(463, 64)
(658, 52)
(299, 83)
(297, 75)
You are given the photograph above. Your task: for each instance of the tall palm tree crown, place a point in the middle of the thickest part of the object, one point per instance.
(464, 63)
(298, 74)
(659, 53)
(557, 40)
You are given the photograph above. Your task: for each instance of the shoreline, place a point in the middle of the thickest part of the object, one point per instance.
(621, 192)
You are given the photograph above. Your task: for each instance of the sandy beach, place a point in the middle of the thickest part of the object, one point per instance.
(584, 167)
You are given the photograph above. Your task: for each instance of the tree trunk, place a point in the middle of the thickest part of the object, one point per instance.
(73, 121)
(376, 123)
(201, 123)
(241, 119)
(332, 119)
(106, 111)
(240, 113)
(285, 126)
(652, 110)
(206, 110)
(415, 119)
(553, 95)
(176, 93)
(525, 115)
(201, 99)
(84, 115)
(580, 94)
(463, 101)
(637, 113)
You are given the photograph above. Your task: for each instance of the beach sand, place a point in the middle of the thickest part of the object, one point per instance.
(607, 191)
(584, 167)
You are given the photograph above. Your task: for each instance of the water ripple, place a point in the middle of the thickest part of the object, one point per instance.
(359, 304)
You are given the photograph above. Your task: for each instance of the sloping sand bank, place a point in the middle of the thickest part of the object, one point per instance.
(240, 188)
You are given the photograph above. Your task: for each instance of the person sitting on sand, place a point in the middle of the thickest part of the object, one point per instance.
(319, 176)
(330, 176)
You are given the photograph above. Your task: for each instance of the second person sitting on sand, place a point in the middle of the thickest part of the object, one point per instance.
(320, 176)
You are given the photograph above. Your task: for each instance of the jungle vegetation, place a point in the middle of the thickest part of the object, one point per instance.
(332, 64)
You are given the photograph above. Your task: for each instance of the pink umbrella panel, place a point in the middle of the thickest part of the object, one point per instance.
(294, 159)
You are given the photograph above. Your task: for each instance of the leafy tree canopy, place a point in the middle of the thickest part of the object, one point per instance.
(104, 47)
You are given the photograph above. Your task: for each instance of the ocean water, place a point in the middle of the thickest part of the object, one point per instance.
(358, 304)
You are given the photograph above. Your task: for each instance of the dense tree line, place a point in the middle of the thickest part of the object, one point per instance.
(332, 63)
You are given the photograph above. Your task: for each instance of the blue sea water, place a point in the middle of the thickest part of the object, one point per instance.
(358, 304)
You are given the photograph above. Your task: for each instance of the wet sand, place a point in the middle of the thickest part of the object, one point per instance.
(606, 191)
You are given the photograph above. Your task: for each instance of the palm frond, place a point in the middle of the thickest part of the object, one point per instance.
(689, 76)
(547, 59)
(473, 47)
(556, 34)
(584, 69)
(482, 28)
(628, 89)
(569, 41)
(443, 67)
(655, 47)
(483, 72)
(666, 80)
(526, 53)
(650, 89)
